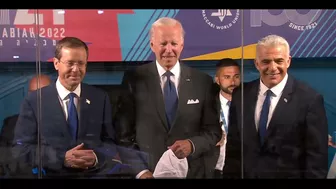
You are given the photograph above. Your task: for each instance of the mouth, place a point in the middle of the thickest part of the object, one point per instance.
(231, 88)
(168, 57)
(272, 74)
(74, 77)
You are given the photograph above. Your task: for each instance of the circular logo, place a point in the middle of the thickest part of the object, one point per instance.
(221, 19)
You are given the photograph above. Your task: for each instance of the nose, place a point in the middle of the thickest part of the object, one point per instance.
(233, 81)
(75, 68)
(169, 48)
(272, 66)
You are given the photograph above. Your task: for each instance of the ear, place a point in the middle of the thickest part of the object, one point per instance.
(256, 64)
(56, 62)
(217, 80)
(151, 45)
(289, 61)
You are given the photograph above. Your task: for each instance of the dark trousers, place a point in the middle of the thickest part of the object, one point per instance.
(218, 174)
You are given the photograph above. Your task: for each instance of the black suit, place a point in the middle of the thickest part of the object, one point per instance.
(296, 139)
(198, 122)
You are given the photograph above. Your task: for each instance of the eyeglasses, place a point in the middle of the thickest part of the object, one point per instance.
(70, 64)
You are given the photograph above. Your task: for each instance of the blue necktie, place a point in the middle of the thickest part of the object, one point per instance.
(72, 116)
(264, 116)
(170, 97)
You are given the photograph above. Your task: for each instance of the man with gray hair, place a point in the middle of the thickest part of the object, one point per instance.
(283, 133)
(175, 105)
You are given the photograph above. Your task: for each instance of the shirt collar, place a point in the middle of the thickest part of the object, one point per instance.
(63, 92)
(223, 100)
(276, 90)
(175, 70)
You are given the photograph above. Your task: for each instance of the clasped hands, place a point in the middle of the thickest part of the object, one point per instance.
(80, 158)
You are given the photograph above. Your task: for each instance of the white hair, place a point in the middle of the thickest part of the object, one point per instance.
(271, 41)
(165, 21)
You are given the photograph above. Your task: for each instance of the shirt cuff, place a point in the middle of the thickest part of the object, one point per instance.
(96, 162)
(141, 173)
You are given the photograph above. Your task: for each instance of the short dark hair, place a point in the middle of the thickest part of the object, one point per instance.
(226, 62)
(70, 42)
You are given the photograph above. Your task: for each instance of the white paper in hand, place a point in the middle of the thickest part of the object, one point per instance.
(169, 166)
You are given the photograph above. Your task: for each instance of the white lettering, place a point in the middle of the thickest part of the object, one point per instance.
(22, 17)
(4, 33)
(30, 32)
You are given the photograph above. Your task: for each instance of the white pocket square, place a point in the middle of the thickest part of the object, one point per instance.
(192, 101)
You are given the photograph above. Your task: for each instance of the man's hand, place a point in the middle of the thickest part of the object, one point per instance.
(330, 142)
(79, 158)
(147, 175)
(221, 142)
(181, 148)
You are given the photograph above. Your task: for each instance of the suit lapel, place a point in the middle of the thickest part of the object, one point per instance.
(184, 90)
(250, 97)
(281, 106)
(218, 105)
(57, 111)
(84, 110)
(250, 104)
(154, 88)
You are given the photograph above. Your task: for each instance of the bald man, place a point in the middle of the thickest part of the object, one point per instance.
(39, 81)
(7, 131)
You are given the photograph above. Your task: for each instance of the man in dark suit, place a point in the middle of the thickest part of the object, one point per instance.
(7, 132)
(227, 78)
(72, 118)
(284, 129)
(174, 105)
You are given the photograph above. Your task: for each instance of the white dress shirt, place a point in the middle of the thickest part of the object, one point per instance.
(175, 78)
(225, 108)
(63, 95)
(277, 92)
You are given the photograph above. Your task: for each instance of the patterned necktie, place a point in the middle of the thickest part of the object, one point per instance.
(224, 122)
(264, 116)
(170, 98)
(72, 116)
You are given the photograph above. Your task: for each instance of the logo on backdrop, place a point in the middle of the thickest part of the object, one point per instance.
(221, 19)
(300, 20)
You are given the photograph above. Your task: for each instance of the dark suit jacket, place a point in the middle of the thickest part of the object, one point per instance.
(197, 122)
(296, 139)
(6, 139)
(213, 155)
(95, 129)
(7, 131)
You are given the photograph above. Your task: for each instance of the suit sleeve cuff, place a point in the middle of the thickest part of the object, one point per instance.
(193, 147)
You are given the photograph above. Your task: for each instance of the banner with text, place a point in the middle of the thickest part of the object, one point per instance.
(122, 35)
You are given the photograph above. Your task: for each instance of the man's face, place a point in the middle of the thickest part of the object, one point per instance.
(272, 64)
(71, 67)
(167, 44)
(228, 78)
